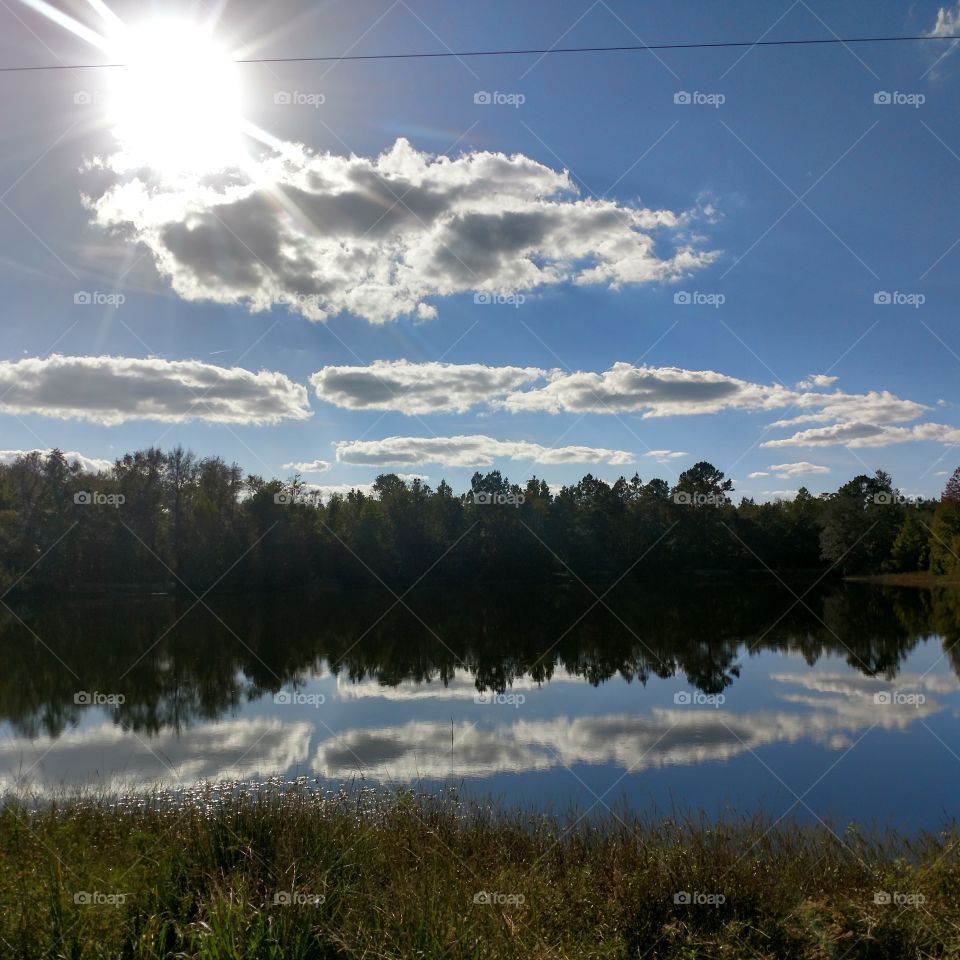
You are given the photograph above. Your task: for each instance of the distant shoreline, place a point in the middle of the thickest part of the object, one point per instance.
(919, 579)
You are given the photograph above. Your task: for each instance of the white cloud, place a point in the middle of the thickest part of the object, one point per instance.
(417, 388)
(852, 419)
(309, 466)
(663, 456)
(87, 464)
(378, 236)
(858, 435)
(468, 451)
(784, 471)
(875, 406)
(405, 386)
(674, 391)
(113, 390)
(816, 380)
(328, 490)
(948, 23)
(654, 391)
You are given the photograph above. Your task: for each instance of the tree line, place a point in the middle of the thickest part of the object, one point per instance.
(172, 520)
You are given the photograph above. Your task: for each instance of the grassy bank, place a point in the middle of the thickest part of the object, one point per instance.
(293, 874)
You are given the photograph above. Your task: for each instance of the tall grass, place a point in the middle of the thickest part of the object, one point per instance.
(282, 871)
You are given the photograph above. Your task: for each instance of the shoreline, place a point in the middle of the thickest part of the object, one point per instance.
(921, 578)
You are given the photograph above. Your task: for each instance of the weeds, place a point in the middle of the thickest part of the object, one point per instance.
(286, 872)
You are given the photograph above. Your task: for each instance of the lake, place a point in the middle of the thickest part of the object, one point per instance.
(839, 702)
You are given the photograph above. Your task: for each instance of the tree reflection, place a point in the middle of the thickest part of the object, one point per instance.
(175, 662)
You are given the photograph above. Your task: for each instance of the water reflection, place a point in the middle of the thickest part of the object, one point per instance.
(389, 695)
(104, 757)
(843, 709)
(175, 664)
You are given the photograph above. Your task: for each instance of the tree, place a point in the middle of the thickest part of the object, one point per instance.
(705, 483)
(803, 519)
(859, 524)
(952, 490)
(180, 475)
(911, 549)
(945, 530)
(702, 537)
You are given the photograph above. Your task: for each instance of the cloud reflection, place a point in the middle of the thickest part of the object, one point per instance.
(106, 757)
(836, 709)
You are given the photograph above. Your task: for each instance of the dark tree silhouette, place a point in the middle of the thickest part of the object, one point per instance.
(173, 521)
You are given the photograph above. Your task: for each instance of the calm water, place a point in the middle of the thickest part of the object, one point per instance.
(843, 704)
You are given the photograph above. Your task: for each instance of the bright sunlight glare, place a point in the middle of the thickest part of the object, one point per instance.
(175, 106)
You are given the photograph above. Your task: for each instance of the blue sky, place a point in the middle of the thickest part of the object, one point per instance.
(788, 210)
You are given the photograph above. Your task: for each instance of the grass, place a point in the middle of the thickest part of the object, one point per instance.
(205, 875)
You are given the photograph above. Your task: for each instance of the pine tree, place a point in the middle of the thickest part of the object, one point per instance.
(952, 490)
(945, 535)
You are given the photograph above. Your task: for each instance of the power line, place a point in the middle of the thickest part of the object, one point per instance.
(446, 54)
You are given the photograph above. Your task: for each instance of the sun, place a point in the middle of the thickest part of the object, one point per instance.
(175, 105)
(174, 101)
